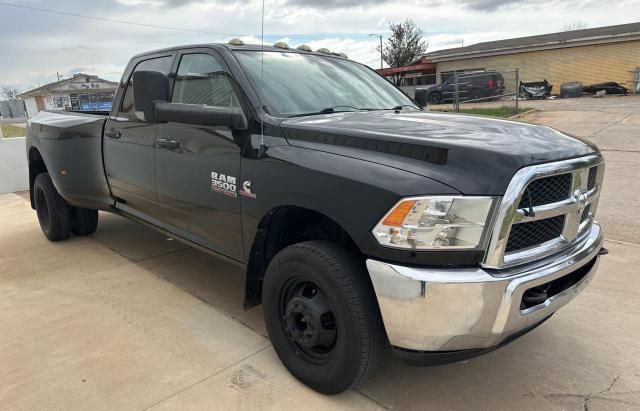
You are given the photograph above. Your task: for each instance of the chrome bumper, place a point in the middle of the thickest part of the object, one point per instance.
(446, 309)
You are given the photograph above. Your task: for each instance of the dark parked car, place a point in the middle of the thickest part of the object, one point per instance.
(471, 86)
(360, 220)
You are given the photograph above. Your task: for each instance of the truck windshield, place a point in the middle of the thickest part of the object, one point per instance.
(295, 84)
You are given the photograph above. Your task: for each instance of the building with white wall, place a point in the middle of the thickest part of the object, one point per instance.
(82, 92)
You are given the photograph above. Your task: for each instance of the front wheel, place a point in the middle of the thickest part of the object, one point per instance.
(322, 316)
(435, 98)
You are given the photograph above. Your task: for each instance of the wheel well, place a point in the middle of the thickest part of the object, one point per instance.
(36, 166)
(282, 227)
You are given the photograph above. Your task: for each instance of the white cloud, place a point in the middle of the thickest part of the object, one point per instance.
(37, 44)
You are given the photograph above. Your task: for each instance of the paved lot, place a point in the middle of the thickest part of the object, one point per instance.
(128, 319)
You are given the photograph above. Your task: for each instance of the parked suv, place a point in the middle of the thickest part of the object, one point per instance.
(471, 86)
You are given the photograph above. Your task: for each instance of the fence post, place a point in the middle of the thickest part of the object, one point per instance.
(517, 88)
(456, 93)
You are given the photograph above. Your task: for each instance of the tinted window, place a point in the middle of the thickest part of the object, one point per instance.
(295, 84)
(201, 80)
(161, 64)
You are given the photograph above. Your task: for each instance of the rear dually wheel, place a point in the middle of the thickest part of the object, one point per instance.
(54, 214)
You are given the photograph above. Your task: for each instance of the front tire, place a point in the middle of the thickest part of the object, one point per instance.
(435, 98)
(322, 316)
(54, 214)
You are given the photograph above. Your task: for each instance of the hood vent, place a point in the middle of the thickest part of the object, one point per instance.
(415, 151)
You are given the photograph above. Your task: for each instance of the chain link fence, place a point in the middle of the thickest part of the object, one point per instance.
(470, 88)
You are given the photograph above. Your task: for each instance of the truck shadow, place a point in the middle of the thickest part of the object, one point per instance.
(520, 374)
(210, 279)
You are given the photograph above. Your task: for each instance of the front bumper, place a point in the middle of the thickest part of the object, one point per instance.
(454, 309)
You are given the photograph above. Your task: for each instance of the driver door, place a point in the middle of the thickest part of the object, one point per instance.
(198, 167)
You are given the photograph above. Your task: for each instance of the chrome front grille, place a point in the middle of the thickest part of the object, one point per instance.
(533, 233)
(546, 191)
(546, 208)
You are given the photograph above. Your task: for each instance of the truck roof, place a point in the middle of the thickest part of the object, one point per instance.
(237, 47)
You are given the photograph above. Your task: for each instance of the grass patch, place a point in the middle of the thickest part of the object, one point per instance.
(9, 131)
(502, 112)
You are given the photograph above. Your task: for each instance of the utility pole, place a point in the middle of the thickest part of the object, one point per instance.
(379, 36)
(59, 90)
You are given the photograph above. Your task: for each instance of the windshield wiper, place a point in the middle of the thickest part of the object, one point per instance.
(329, 110)
(400, 107)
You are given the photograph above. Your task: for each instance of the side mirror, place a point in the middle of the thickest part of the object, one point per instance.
(232, 117)
(149, 87)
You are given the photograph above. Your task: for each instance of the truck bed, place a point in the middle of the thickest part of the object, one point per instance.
(70, 143)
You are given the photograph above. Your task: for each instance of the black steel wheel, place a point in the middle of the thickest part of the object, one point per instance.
(322, 316)
(309, 321)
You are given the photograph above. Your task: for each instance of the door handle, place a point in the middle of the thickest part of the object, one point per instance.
(113, 134)
(167, 143)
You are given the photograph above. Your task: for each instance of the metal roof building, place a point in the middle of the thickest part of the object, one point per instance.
(594, 55)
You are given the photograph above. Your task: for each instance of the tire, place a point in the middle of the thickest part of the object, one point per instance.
(84, 221)
(435, 98)
(54, 214)
(421, 98)
(319, 283)
(571, 89)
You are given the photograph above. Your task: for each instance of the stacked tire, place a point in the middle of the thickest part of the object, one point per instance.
(571, 89)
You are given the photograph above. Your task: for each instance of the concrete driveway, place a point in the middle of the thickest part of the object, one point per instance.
(129, 319)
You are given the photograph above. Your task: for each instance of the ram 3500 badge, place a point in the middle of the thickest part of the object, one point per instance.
(224, 184)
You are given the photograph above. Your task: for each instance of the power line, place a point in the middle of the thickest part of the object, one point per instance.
(154, 26)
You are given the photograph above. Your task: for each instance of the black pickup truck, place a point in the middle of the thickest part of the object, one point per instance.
(361, 221)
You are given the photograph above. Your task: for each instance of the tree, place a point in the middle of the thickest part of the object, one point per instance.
(10, 93)
(575, 25)
(404, 46)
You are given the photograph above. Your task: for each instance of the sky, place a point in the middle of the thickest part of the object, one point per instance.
(35, 45)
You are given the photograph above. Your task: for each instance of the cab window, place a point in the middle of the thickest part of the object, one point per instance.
(161, 64)
(201, 80)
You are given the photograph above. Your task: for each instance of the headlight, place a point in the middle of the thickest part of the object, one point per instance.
(439, 222)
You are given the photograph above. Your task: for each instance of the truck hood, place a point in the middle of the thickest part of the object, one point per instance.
(474, 155)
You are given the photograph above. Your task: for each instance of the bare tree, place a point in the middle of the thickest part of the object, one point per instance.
(575, 25)
(404, 46)
(10, 93)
